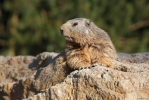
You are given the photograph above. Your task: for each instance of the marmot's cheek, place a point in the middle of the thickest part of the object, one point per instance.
(86, 31)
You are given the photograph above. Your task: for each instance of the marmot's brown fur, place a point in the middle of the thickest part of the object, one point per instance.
(87, 44)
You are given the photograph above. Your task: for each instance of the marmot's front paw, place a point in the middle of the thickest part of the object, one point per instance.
(88, 67)
(85, 67)
(97, 64)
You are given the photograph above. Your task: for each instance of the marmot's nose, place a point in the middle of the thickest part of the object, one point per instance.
(61, 31)
(62, 28)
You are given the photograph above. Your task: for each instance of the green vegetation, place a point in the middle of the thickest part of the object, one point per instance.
(29, 27)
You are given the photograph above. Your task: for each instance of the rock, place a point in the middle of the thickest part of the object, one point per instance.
(47, 77)
(12, 70)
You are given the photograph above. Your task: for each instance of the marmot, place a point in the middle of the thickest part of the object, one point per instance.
(87, 44)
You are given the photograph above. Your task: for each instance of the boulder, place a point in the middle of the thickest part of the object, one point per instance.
(47, 77)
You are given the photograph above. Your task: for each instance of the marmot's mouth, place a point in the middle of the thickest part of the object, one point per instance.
(68, 38)
(72, 44)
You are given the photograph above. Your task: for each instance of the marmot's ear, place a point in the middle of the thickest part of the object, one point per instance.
(87, 22)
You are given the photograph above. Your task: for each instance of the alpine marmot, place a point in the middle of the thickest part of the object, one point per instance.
(87, 44)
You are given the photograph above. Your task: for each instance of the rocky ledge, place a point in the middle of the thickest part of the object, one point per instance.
(47, 77)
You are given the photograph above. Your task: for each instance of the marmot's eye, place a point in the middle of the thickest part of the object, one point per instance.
(75, 24)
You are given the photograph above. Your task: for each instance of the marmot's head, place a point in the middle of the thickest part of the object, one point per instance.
(81, 31)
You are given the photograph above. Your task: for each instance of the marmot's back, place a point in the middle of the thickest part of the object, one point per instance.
(87, 44)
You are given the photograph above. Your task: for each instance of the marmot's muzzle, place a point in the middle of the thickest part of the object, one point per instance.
(61, 31)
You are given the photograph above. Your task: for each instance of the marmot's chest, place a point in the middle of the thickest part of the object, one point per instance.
(88, 52)
(92, 52)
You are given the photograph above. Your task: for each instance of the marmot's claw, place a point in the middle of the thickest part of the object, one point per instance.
(95, 64)
(102, 65)
(80, 68)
